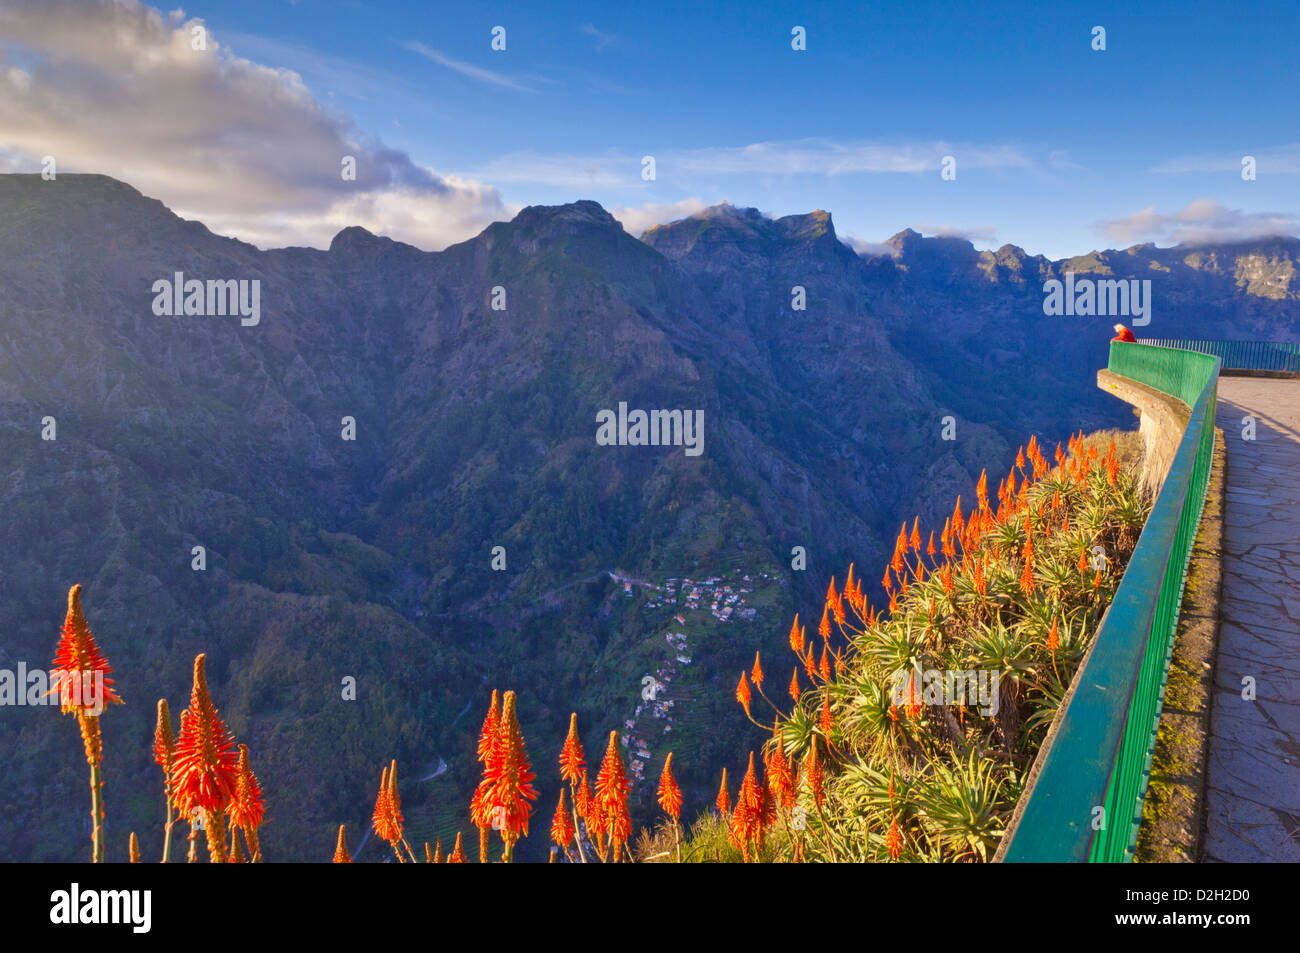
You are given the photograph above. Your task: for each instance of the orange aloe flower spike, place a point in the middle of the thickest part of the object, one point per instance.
(912, 705)
(562, 829)
(248, 806)
(509, 778)
(894, 841)
(611, 795)
(756, 673)
(205, 762)
(585, 797)
(395, 800)
(457, 855)
(76, 659)
(778, 775)
(164, 742)
(341, 855)
(826, 723)
(742, 693)
(1027, 585)
(489, 730)
(669, 794)
(747, 819)
(813, 775)
(572, 757)
(723, 802)
(386, 820)
(794, 684)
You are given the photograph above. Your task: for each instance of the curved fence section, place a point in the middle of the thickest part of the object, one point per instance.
(1241, 355)
(1086, 802)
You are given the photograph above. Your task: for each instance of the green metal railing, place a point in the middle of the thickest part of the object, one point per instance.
(1242, 355)
(1086, 803)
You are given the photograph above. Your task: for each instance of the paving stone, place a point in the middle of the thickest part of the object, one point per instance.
(1252, 805)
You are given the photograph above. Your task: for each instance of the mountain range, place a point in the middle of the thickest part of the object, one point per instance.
(473, 378)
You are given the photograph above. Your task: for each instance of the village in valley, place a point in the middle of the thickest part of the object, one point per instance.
(727, 600)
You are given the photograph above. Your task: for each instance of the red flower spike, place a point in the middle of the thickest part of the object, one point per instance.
(669, 794)
(341, 855)
(507, 783)
(205, 763)
(743, 694)
(572, 757)
(562, 829)
(723, 801)
(894, 841)
(747, 819)
(612, 786)
(248, 805)
(825, 723)
(489, 730)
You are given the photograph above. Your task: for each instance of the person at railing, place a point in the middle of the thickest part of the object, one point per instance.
(1123, 334)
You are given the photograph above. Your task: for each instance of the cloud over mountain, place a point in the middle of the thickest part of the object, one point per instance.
(1202, 221)
(117, 88)
(636, 219)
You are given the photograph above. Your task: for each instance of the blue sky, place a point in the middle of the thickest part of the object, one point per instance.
(1058, 148)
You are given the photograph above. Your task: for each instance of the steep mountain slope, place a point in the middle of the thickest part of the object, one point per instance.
(475, 428)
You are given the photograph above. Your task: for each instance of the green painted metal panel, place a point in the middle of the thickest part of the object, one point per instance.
(1241, 355)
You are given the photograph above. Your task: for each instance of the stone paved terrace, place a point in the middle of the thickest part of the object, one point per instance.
(1252, 808)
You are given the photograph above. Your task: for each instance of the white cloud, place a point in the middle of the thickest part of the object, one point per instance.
(602, 38)
(825, 157)
(791, 157)
(334, 74)
(112, 86)
(467, 69)
(984, 235)
(1276, 160)
(1202, 222)
(1060, 159)
(573, 172)
(870, 249)
(637, 219)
